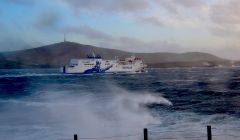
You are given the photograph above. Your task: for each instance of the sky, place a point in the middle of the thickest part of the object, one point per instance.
(211, 26)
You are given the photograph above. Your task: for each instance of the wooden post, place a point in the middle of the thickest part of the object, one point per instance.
(209, 132)
(145, 133)
(75, 137)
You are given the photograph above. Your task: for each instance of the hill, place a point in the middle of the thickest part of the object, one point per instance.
(59, 54)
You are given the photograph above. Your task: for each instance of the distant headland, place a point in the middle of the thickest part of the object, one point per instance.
(59, 54)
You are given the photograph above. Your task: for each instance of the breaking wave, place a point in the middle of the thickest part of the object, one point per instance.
(118, 112)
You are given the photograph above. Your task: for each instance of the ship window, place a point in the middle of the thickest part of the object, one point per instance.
(127, 67)
(88, 64)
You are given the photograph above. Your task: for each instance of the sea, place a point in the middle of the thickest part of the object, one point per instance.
(172, 103)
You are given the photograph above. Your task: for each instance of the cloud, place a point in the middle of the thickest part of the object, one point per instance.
(123, 42)
(10, 41)
(225, 18)
(177, 13)
(226, 12)
(185, 21)
(135, 45)
(11, 44)
(175, 6)
(153, 20)
(189, 3)
(225, 31)
(88, 32)
(49, 20)
(109, 5)
(229, 50)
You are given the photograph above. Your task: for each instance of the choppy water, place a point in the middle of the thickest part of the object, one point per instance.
(172, 103)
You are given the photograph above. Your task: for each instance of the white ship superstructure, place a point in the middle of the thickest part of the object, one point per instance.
(95, 64)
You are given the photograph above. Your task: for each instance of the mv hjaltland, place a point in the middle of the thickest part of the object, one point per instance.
(95, 64)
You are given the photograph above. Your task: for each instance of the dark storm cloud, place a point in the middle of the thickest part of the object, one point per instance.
(88, 32)
(109, 5)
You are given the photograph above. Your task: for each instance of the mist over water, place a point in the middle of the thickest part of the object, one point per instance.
(45, 105)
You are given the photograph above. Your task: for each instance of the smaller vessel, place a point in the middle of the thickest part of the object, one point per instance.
(95, 64)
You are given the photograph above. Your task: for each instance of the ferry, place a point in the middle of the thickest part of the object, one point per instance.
(95, 64)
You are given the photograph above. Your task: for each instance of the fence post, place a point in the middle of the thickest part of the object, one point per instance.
(209, 132)
(75, 137)
(145, 133)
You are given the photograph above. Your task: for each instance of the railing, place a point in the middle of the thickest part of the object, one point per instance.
(208, 136)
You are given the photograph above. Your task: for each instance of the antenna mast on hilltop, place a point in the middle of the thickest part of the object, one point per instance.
(64, 37)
